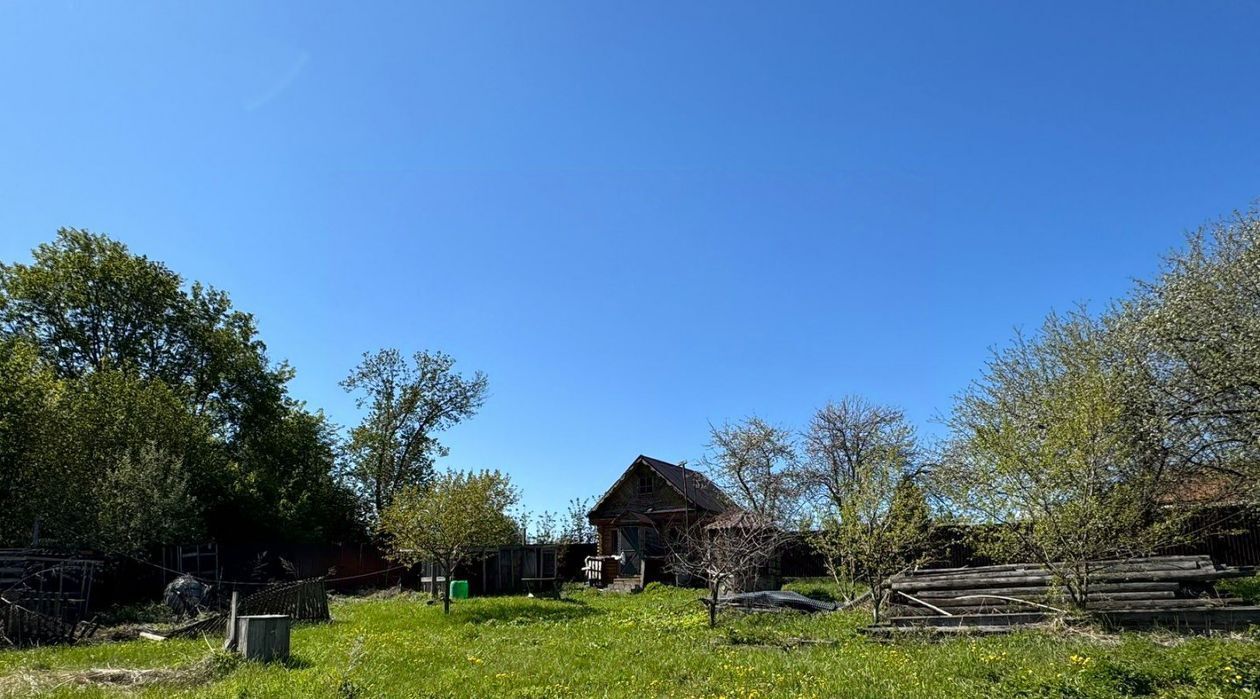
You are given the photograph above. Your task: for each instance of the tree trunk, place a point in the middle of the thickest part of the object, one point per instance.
(446, 594)
(713, 603)
(877, 599)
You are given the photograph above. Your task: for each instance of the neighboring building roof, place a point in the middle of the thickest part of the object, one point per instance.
(694, 486)
(740, 519)
(1205, 489)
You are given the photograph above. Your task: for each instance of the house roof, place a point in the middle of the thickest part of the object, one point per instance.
(694, 486)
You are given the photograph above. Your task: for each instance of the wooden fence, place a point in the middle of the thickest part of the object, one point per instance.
(304, 600)
(45, 582)
(20, 626)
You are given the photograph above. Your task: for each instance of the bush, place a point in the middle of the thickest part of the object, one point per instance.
(141, 613)
(1246, 588)
(655, 588)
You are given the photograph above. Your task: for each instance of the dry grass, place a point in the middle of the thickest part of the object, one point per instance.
(28, 682)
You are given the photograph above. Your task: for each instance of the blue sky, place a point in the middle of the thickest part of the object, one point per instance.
(637, 218)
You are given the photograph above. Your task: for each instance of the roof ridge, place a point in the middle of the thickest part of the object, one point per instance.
(694, 486)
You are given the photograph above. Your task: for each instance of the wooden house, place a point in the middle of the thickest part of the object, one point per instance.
(649, 499)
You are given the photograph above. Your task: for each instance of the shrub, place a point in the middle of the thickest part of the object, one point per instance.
(1246, 588)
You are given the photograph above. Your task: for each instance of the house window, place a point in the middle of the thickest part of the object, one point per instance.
(645, 484)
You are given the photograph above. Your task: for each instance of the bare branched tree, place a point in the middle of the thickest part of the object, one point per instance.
(755, 462)
(873, 520)
(842, 442)
(576, 527)
(727, 554)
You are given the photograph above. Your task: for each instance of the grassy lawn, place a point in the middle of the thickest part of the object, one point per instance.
(654, 644)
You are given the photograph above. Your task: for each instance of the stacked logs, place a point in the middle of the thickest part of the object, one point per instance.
(1165, 591)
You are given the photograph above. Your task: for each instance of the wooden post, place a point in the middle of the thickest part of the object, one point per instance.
(264, 637)
(230, 642)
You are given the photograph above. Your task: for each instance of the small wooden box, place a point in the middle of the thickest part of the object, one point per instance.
(264, 637)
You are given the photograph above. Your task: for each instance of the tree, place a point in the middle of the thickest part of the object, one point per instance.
(143, 501)
(304, 498)
(725, 553)
(576, 528)
(847, 439)
(882, 528)
(546, 529)
(1053, 447)
(755, 462)
(28, 392)
(449, 520)
(89, 305)
(124, 445)
(570, 527)
(104, 353)
(860, 468)
(395, 445)
(1196, 329)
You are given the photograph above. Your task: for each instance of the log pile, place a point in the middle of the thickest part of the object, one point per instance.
(1162, 591)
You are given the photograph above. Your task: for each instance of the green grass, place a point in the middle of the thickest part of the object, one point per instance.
(655, 644)
(1246, 588)
(823, 589)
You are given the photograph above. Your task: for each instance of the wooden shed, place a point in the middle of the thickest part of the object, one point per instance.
(509, 569)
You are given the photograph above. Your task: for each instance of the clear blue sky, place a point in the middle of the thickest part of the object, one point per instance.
(635, 217)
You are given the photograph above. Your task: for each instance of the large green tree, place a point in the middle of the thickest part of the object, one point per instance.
(408, 404)
(125, 382)
(29, 391)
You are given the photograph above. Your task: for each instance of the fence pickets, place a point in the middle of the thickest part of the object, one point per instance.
(304, 600)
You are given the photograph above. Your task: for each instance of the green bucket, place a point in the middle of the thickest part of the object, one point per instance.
(459, 589)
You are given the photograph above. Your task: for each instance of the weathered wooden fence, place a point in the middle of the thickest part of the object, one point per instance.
(44, 596)
(304, 600)
(20, 626)
(52, 584)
